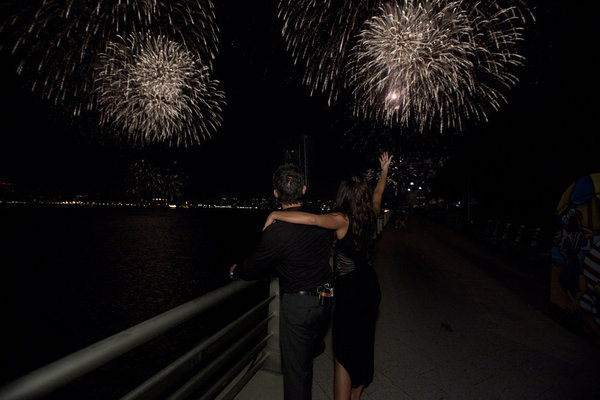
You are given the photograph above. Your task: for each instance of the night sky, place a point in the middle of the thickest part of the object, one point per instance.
(516, 164)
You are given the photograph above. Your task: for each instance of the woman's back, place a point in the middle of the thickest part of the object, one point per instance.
(349, 253)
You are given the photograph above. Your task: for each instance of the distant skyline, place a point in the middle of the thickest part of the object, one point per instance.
(529, 151)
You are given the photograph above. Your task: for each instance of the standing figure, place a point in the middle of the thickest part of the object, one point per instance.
(300, 255)
(570, 247)
(357, 292)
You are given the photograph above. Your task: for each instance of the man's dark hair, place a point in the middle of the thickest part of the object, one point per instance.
(288, 181)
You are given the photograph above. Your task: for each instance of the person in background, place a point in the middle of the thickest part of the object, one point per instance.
(590, 300)
(300, 255)
(570, 247)
(357, 292)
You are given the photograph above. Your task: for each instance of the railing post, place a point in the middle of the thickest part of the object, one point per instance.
(520, 234)
(535, 238)
(496, 231)
(273, 363)
(506, 232)
(489, 229)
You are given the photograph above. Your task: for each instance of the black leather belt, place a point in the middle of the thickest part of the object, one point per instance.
(308, 292)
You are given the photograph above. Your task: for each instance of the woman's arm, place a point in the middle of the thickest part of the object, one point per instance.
(384, 161)
(333, 220)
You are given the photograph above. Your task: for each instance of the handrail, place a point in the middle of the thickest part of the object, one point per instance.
(202, 377)
(55, 375)
(220, 384)
(239, 385)
(190, 359)
(532, 240)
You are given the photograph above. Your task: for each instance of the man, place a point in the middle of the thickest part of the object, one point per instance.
(300, 254)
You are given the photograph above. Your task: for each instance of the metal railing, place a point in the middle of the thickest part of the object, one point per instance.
(263, 338)
(532, 241)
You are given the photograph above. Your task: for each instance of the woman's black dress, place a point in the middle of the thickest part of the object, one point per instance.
(358, 296)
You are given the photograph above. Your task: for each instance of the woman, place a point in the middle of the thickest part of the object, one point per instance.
(357, 290)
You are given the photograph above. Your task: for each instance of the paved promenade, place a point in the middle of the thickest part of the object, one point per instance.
(448, 330)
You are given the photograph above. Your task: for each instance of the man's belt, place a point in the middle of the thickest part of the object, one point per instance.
(308, 292)
(325, 290)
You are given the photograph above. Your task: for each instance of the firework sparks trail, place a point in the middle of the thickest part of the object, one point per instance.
(417, 63)
(57, 41)
(417, 158)
(156, 91)
(409, 171)
(318, 34)
(147, 182)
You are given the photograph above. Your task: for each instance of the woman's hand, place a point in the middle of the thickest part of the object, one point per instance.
(385, 160)
(270, 220)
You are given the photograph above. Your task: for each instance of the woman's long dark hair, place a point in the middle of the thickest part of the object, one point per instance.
(354, 199)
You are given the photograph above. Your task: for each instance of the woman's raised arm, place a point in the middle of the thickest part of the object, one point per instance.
(384, 161)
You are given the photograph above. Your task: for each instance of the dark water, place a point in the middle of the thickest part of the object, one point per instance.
(72, 276)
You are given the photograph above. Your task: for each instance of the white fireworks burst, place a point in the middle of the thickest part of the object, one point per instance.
(156, 91)
(414, 62)
(409, 63)
(57, 41)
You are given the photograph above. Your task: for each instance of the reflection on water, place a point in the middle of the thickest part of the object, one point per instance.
(72, 276)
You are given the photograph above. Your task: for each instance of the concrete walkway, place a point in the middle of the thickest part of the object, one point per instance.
(447, 330)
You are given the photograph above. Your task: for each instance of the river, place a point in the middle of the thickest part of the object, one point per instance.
(71, 276)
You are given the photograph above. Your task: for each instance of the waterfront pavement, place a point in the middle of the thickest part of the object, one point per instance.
(449, 329)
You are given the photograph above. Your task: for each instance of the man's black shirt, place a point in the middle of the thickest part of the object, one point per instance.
(300, 253)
